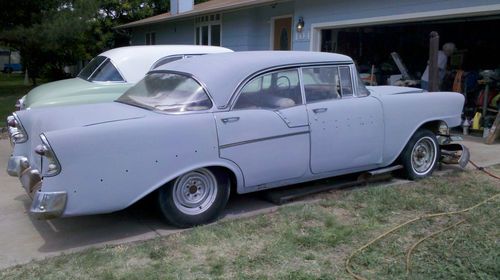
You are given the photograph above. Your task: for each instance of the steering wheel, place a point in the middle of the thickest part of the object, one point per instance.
(282, 84)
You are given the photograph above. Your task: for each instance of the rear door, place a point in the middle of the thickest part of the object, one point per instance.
(346, 130)
(266, 133)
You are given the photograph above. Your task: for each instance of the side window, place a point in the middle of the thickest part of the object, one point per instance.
(321, 83)
(361, 90)
(346, 81)
(106, 73)
(276, 90)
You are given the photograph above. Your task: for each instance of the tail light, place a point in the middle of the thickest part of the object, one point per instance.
(11, 121)
(45, 150)
(17, 132)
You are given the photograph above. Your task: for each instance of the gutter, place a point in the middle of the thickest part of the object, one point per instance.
(218, 8)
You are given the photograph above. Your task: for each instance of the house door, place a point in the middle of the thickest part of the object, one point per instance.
(283, 34)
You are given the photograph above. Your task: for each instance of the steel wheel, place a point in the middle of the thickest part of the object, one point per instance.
(195, 192)
(196, 197)
(423, 155)
(420, 155)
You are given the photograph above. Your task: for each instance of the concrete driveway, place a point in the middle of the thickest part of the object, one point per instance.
(23, 238)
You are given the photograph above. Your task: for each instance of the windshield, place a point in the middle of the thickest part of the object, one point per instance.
(100, 69)
(168, 92)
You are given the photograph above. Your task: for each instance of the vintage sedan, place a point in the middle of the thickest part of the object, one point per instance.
(194, 130)
(109, 75)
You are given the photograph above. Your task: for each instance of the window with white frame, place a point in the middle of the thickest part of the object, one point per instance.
(208, 30)
(151, 38)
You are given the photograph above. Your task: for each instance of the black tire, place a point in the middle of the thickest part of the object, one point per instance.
(420, 155)
(179, 204)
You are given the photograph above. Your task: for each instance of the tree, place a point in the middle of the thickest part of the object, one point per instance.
(48, 34)
(51, 34)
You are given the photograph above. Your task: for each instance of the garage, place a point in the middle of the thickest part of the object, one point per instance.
(476, 41)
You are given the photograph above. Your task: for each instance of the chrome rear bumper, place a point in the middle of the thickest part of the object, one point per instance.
(45, 205)
(17, 165)
(48, 205)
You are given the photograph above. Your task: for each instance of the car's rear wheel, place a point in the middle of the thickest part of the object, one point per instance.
(194, 198)
(420, 156)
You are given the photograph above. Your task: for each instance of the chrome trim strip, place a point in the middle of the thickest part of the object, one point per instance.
(262, 139)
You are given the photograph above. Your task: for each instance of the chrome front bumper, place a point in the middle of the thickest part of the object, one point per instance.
(45, 205)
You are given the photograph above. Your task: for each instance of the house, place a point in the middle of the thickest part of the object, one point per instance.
(366, 30)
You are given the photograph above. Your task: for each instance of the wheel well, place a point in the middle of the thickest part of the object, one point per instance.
(432, 126)
(218, 170)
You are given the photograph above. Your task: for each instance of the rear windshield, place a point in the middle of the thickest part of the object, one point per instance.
(168, 92)
(100, 69)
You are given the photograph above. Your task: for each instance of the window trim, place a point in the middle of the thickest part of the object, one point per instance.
(356, 79)
(189, 75)
(209, 23)
(300, 84)
(236, 92)
(91, 76)
(338, 65)
(352, 84)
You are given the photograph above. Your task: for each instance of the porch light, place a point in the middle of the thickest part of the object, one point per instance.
(300, 24)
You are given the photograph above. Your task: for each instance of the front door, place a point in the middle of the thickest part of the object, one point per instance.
(282, 34)
(266, 132)
(346, 131)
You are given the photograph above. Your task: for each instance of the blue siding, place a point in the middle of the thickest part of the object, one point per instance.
(249, 29)
(178, 32)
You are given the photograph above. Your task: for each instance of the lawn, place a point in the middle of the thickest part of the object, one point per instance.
(312, 240)
(11, 89)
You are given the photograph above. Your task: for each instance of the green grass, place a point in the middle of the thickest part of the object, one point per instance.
(312, 240)
(11, 89)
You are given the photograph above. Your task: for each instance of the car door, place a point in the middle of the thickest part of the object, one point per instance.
(346, 130)
(266, 133)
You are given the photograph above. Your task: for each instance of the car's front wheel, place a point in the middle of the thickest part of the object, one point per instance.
(194, 198)
(421, 154)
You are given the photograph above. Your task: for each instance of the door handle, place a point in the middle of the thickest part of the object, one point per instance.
(319, 110)
(228, 120)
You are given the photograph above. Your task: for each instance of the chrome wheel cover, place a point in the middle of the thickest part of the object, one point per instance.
(195, 191)
(423, 155)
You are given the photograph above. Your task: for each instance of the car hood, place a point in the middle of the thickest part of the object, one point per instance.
(63, 92)
(390, 90)
(38, 120)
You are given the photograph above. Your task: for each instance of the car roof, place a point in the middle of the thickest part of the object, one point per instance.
(222, 73)
(135, 61)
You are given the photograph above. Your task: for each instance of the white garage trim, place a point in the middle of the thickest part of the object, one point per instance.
(315, 44)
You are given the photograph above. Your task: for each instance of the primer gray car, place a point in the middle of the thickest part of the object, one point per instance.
(195, 129)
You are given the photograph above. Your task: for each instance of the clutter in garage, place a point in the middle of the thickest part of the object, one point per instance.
(398, 54)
